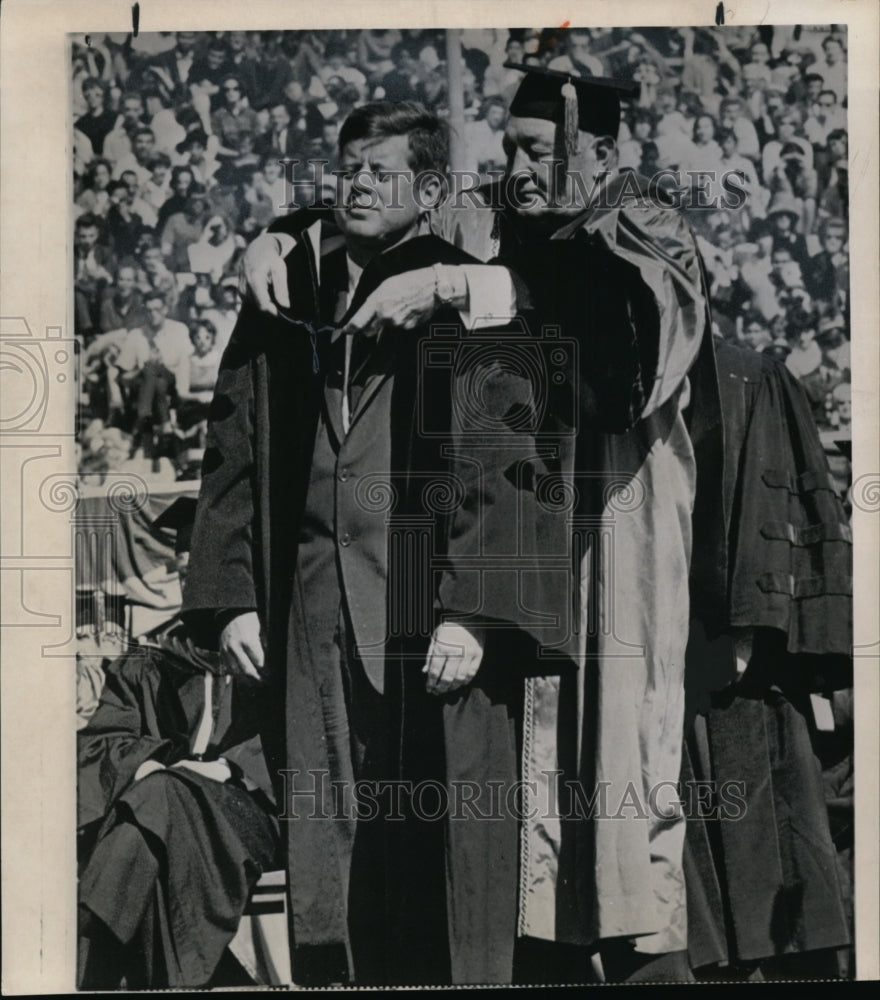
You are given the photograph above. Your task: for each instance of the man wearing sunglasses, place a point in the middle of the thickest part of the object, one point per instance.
(317, 482)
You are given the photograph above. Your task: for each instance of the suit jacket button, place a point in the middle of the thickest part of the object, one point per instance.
(345, 539)
(343, 475)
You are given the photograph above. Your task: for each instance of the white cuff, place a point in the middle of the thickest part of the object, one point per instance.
(491, 296)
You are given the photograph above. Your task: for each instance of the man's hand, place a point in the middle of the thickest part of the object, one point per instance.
(216, 770)
(263, 273)
(404, 301)
(454, 657)
(241, 652)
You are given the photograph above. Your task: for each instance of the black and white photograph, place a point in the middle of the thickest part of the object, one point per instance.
(445, 498)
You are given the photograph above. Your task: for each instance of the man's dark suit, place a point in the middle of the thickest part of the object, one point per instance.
(299, 520)
(292, 145)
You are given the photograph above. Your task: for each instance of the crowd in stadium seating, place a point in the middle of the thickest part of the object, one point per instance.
(177, 140)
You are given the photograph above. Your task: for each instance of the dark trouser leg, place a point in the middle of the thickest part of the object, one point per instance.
(365, 708)
(623, 964)
(482, 836)
(550, 963)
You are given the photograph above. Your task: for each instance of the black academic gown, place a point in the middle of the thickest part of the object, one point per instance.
(169, 861)
(764, 883)
(261, 443)
(588, 403)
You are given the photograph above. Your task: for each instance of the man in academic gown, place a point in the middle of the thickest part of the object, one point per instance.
(569, 557)
(321, 487)
(176, 820)
(762, 879)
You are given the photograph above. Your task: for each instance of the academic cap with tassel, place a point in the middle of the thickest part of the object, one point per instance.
(579, 103)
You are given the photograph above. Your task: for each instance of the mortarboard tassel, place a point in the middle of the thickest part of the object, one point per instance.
(570, 119)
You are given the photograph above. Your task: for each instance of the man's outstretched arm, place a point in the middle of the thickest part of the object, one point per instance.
(485, 294)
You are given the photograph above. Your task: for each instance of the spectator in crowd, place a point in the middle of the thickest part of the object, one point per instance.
(93, 263)
(195, 155)
(763, 110)
(140, 207)
(143, 148)
(272, 72)
(154, 276)
(796, 179)
(180, 187)
(272, 182)
(257, 209)
(122, 305)
(833, 67)
(642, 125)
(375, 46)
(124, 225)
(243, 64)
(706, 153)
(194, 399)
(234, 119)
(153, 361)
(98, 121)
(336, 63)
(156, 191)
(833, 176)
(578, 57)
(118, 144)
(834, 341)
(786, 69)
(825, 118)
(484, 138)
(163, 120)
(755, 204)
(805, 90)
(827, 273)
(282, 138)
(732, 116)
(204, 364)
(400, 83)
(758, 65)
(195, 298)
(502, 80)
(806, 355)
(94, 198)
(224, 313)
(182, 230)
(755, 332)
(787, 124)
(206, 76)
(176, 64)
(783, 216)
(214, 248)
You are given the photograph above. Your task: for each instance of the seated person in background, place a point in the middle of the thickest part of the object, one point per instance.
(194, 400)
(156, 191)
(124, 225)
(154, 362)
(214, 248)
(154, 276)
(122, 305)
(176, 819)
(204, 365)
(225, 313)
(93, 263)
(182, 230)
